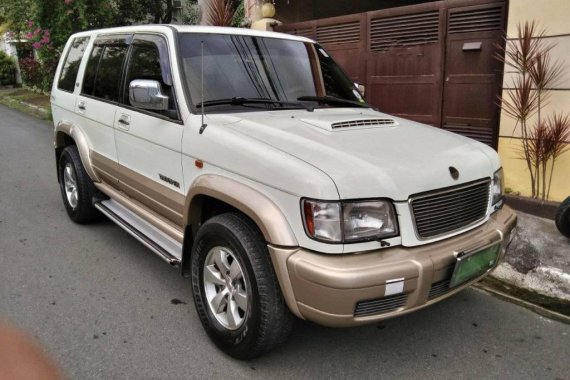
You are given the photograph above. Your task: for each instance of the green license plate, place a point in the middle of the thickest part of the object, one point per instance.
(471, 265)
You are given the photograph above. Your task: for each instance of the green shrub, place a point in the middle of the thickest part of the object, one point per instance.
(7, 69)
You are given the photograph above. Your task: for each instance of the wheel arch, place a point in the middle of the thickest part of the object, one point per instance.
(257, 206)
(231, 195)
(66, 134)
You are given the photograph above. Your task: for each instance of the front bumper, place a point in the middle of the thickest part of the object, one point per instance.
(356, 289)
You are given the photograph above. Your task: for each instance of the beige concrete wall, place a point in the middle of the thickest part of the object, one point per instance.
(551, 15)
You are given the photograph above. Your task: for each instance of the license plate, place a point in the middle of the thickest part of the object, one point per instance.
(471, 265)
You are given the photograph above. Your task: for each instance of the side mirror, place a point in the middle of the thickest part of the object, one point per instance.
(147, 94)
(361, 88)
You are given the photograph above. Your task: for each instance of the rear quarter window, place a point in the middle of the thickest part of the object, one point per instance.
(71, 64)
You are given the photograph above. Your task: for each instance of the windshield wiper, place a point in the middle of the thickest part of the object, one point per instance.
(238, 101)
(331, 100)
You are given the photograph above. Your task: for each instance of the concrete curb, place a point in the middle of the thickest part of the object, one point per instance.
(492, 288)
(536, 268)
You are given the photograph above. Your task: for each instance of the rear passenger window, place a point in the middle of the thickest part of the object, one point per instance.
(104, 69)
(91, 70)
(107, 82)
(70, 67)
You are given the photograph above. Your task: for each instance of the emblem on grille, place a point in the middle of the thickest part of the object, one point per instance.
(454, 172)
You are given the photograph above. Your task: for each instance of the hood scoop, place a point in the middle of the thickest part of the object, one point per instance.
(363, 123)
(352, 124)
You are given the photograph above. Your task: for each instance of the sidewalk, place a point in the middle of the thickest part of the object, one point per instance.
(534, 273)
(536, 267)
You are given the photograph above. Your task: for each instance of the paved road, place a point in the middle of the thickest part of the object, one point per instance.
(102, 305)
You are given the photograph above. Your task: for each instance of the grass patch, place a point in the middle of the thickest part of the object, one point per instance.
(32, 103)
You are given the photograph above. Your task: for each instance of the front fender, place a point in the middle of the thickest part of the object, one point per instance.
(262, 210)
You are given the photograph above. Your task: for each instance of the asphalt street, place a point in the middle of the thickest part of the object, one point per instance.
(105, 307)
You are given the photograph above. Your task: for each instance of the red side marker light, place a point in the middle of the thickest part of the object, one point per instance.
(199, 164)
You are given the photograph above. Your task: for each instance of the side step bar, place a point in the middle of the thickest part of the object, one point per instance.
(158, 242)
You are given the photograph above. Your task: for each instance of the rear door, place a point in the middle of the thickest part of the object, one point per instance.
(149, 142)
(98, 101)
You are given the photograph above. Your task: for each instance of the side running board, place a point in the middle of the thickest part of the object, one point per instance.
(158, 242)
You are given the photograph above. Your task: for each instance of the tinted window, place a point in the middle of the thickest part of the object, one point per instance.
(71, 65)
(336, 82)
(243, 66)
(149, 60)
(107, 81)
(91, 70)
(145, 63)
(104, 69)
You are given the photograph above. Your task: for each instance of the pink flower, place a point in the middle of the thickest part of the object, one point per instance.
(28, 36)
(67, 2)
(30, 23)
(36, 45)
(37, 31)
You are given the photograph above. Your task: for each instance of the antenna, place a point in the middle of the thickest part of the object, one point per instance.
(202, 86)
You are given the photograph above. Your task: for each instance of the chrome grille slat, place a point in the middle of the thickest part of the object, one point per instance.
(380, 305)
(443, 211)
(448, 210)
(444, 197)
(431, 222)
(448, 201)
(461, 221)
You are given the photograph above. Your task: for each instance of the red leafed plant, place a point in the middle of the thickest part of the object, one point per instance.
(527, 93)
(220, 13)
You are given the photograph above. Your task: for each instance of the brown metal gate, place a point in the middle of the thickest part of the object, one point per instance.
(432, 62)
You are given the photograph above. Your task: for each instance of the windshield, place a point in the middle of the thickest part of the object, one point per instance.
(279, 72)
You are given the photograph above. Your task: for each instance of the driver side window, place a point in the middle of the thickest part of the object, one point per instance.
(149, 60)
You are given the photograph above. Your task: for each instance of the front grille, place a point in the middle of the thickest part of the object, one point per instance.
(363, 123)
(380, 305)
(439, 289)
(448, 210)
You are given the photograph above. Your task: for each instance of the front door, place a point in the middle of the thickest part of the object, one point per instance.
(149, 142)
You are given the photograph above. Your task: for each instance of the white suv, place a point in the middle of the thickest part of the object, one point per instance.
(250, 160)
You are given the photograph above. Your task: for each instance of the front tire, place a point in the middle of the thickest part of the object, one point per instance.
(77, 189)
(563, 218)
(235, 289)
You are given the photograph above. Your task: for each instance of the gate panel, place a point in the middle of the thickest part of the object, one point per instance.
(432, 62)
(472, 74)
(404, 62)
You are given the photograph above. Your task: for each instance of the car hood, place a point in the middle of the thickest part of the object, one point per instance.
(369, 154)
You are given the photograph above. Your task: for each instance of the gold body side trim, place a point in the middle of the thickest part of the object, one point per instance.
(163, 224)
(268, 217)
(326, 288)
(160, 199)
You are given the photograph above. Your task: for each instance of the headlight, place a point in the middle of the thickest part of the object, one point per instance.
(497, 187)
(347, 222)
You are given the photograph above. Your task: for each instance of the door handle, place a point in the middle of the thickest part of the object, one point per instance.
(124, 122)
(81, 105)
